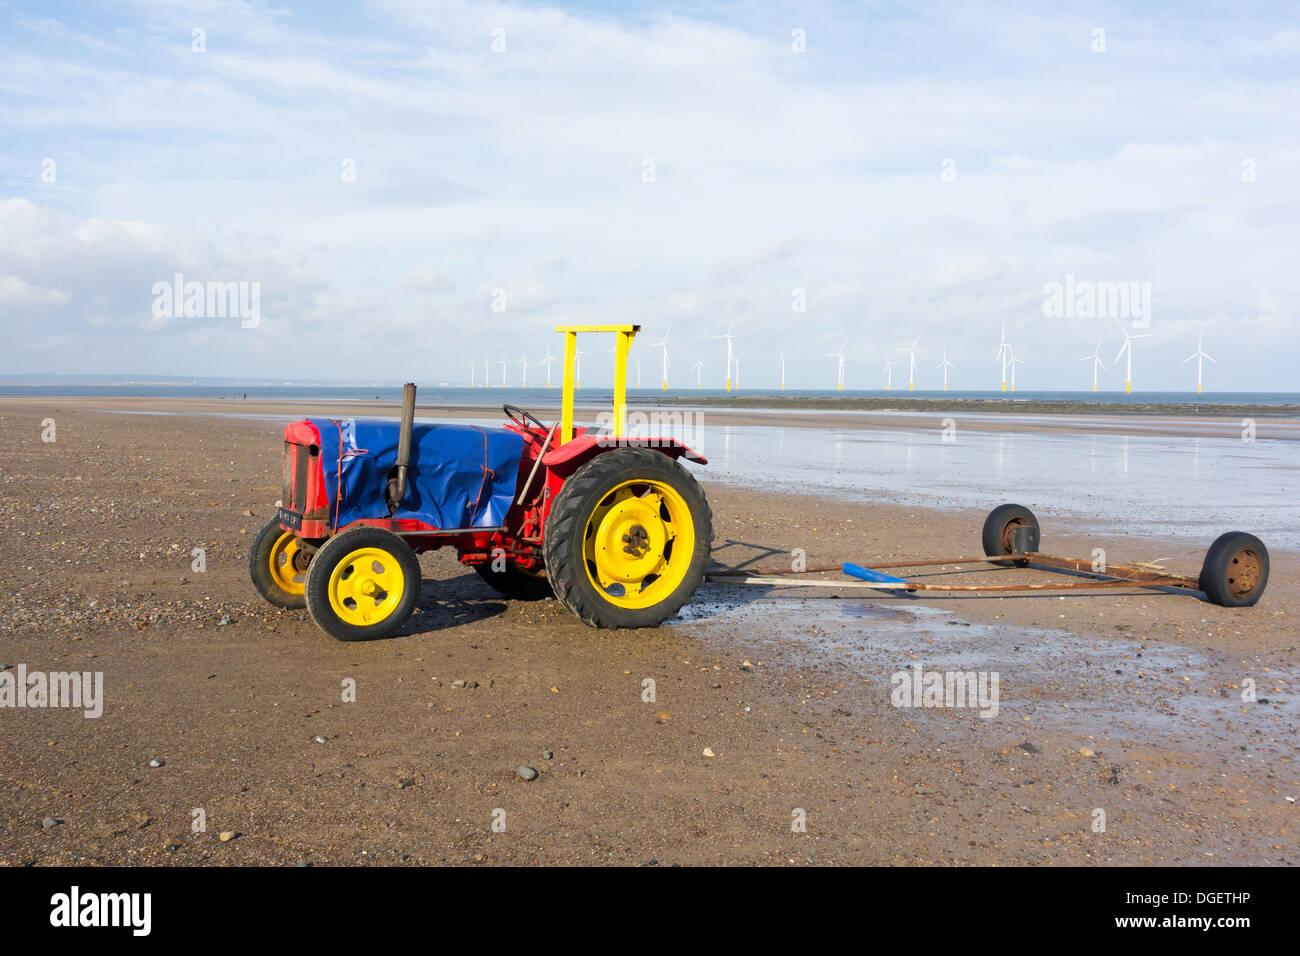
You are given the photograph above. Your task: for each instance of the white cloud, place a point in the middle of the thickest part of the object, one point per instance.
(479, 170)
(14, 291)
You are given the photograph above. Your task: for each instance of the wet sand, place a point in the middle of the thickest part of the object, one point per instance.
(1125, 702)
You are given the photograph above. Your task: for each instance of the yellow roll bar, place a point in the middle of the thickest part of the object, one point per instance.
(625, 334)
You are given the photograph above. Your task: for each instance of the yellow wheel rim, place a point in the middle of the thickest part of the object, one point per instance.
(285, 555)
(638, 543)
(366, 586)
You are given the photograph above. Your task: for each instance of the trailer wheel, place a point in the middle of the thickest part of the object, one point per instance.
(1235, 571)
(1000, 528)
(363, 584)
(515, 582)
(628, 539)
(278, 567)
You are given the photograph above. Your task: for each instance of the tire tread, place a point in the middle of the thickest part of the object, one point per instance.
(568, 517)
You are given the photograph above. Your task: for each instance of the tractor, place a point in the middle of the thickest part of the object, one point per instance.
(614, 527)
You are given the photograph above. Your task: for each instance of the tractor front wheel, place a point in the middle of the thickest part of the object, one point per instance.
(628, 539)
(363, 584)
(278, 566)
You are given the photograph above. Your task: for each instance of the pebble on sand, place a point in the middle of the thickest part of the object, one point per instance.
(525, 772)
(225, 836)
(157, 763)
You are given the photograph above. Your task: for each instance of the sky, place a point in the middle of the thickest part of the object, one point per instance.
(409, 186)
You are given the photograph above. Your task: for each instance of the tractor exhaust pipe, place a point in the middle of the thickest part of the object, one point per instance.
(397, 485)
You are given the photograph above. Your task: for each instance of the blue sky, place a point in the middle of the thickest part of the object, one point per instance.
(519, 176)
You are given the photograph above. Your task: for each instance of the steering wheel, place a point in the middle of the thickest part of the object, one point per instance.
(521, 417)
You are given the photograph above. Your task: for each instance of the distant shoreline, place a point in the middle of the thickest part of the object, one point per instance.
(596, 398)
(1065, 418)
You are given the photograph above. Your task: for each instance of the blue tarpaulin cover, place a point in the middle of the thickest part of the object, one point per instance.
(446, 484)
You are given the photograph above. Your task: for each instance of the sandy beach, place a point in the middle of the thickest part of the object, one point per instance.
(1124, 702)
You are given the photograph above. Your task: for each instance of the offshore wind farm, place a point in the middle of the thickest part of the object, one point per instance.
(856, 374)
(770, 370)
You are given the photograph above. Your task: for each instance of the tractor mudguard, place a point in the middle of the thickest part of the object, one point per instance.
(584, 447)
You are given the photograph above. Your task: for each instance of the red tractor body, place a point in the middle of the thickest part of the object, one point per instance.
(395, 490)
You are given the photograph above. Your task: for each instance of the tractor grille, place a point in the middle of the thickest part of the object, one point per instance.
(297, 460)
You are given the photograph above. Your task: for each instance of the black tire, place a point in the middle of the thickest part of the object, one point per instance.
(334, 553)
(1235, 571)
(999, 527)
(566, 527)
(259, 568)
(515, 583)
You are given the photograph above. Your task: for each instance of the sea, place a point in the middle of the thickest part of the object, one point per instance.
(1132, 481)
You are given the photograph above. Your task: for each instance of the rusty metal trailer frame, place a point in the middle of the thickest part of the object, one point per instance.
(1234, 572)
(1113, 577)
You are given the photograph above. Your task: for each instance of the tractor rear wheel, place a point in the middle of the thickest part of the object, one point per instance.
(363, 584)
(515, 582)
(628, 539)
(278, 566)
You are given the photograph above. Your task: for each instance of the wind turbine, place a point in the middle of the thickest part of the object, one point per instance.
(504, 383)
(664, 346)
(911, 368)
(729, 351)
(697, 369)
(889, 373)
(1014, 362)
(487, 378)
(548, 362)
(577, 369)
(944, 366)
(473, 369)
(1200, 355)
(737, 360)
(782, 354)
(1128, 347)
(1004, 350)
(1097, 363)
(611, 350)
(839, 357)
(524, 362)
